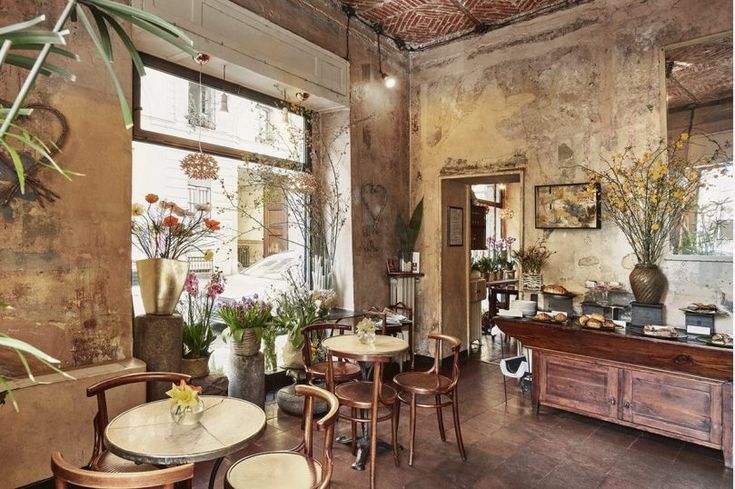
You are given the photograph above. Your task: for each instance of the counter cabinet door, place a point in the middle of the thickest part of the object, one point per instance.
(578, 385)
(673, 403)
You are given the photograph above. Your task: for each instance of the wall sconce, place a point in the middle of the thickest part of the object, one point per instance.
(388, 80)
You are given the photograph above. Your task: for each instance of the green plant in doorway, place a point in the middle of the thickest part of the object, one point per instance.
(408, 233)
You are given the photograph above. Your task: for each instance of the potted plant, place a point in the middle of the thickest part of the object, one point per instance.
(197, 309)
(532, 261)
(646, 196)
(245, 320)
(407, 235)
(506, 263)
(165, 232)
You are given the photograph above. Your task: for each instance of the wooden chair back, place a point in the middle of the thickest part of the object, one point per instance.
(454, 343)
(101, 419)
(402, 308)
(66, 474)
(326, 423)
(313, 337)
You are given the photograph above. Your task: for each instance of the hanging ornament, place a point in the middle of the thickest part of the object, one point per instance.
(199, 165)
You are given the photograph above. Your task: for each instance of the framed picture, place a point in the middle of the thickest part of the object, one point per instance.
(567, 206)
(455, 226)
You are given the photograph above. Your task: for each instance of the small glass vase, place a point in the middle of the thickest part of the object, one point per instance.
(187, 415)
(366, 337)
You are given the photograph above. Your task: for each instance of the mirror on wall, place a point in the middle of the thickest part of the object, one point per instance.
(699, 102)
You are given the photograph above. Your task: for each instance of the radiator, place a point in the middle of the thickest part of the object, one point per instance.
(403, 289)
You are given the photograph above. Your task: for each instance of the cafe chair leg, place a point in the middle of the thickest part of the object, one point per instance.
(413, 430)
(439, 417)
(394, 432)
(353, 414)
(455, 412)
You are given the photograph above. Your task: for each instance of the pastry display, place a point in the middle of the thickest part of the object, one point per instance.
(700, 308)
(721, 339)
(542, 316)
(560, 317)
(554, 289)
(596, 321)
(554, 317)
(661, 331)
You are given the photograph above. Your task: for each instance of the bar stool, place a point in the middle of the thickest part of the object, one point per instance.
(433, 383)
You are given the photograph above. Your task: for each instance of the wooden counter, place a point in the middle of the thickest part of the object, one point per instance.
(681, 389)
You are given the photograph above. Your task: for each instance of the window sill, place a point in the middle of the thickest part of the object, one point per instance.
(700, 258)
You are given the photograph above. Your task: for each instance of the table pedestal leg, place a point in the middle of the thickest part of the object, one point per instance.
(215, 469)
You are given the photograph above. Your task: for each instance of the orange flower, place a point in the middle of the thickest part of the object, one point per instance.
(211, 224)
(170, 221)
(151, 198)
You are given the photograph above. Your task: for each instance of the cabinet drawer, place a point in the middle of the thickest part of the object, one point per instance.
(578, 385)
(676, 404)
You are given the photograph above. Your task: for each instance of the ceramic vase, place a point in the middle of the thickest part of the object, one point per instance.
(648, 283)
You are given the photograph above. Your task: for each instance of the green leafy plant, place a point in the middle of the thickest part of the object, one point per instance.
(248, 313)
(298, 307)
(22, 349)
(409, 232)
(16, 41)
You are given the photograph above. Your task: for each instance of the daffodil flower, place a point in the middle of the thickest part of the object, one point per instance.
(183, 395)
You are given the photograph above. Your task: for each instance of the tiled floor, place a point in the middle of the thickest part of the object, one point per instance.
(509, 447)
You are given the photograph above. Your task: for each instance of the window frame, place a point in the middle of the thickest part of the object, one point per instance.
(230, 88)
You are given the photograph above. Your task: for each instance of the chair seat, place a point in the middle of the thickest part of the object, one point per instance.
(109, 462)
(274, 470)
(342, 370)
(360, 394)
(421, 382)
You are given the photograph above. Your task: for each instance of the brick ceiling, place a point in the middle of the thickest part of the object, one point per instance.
(699, 74)
(419, 24)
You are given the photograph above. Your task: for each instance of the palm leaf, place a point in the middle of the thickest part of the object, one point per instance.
(132, 50)
(104, 34)
(35, 37)
(46, 68)
(18, 163)
(54, 50)
(127, 116)
(19, 26)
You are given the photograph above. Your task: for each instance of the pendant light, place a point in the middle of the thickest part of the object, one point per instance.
(223, 107)
(200, 165)
(388, 80)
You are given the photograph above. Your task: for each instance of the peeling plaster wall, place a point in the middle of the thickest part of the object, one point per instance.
(66, 268)
(547, 95)
(378, 134)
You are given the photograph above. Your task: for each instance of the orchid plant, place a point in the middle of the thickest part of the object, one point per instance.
(166, 230)
(500, 252)
(533, 258)
(197, 308)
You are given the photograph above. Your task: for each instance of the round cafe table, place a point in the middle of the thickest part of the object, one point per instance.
(351, 345)
(148, 434)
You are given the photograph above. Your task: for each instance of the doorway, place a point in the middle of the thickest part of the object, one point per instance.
(499, 199)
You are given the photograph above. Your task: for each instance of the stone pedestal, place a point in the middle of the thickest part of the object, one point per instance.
(158, 341)
(247, 378)
(213, 384)
(290, 403)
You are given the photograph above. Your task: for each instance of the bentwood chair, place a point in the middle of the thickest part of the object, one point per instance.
(66, 474)
(292, 469)
(343, 371)
(401, 308)
(433, 383)
(103, 460)
(366, 398)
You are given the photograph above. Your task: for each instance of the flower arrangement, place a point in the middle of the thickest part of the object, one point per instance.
(500, 249)
(324, 298)
(647, 195)
(533, 258)
(186, 405)
(250, 313)
(298, 307)
(162, 229)
(197, 308)
(365, 330)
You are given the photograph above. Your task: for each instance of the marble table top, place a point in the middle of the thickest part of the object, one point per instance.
(147, 434)
(383, 345)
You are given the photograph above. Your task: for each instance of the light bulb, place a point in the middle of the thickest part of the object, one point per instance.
(389, 81)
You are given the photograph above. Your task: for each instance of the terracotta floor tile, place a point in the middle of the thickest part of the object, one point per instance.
(508, 446)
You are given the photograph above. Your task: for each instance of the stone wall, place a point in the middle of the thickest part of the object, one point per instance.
(546, 95)
(66, 268)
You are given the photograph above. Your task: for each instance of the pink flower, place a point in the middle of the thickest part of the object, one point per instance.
(191, 286)
(216, 285)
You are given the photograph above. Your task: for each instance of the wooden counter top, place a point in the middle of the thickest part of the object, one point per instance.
(688, 357)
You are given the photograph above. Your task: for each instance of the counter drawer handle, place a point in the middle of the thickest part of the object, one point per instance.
(683, 360)
(627, 405)
(612, 401)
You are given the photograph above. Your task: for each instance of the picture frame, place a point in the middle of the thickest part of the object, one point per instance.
(567, 206)
(455, 226)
